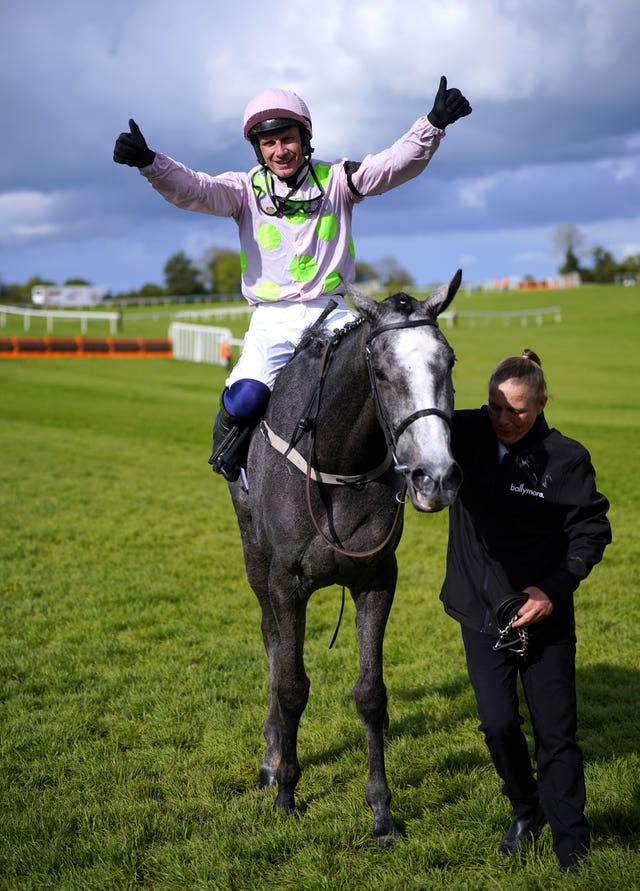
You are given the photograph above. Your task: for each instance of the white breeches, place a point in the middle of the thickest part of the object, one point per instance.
(274, 332)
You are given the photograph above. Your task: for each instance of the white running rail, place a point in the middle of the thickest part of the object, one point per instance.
(453, 317)
(73, 315)
(200, 343)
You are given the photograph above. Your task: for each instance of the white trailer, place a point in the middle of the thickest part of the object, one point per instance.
(68, 295)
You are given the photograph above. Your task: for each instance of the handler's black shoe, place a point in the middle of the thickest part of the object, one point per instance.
(523, 829)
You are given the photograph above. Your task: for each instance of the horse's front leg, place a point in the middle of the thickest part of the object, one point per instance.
(373, 605)
(289, 686)
(271, 727)
(257, 563)
(288, 694)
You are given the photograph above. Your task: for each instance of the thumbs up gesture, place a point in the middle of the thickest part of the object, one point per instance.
(132, 149)
(448, 106)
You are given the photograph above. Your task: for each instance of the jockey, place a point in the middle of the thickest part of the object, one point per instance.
(294, 220)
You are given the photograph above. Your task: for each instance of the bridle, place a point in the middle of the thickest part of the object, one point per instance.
(391, 434)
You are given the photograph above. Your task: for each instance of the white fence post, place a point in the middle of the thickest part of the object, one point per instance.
(199, 343)
(74, 315)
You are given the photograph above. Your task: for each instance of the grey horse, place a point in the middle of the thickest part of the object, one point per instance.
(356, 419)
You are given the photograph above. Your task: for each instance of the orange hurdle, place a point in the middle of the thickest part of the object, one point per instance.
(85, 347)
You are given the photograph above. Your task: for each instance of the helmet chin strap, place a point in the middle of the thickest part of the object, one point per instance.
(257, 150)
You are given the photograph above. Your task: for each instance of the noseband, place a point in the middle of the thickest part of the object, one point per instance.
(392, 434)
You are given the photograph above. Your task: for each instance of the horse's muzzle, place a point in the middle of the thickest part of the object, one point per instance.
(431, 493)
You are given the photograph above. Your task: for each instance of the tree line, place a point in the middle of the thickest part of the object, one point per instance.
(569, 243)
(217, 272)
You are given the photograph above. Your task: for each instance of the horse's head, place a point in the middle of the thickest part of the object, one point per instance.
(410, 363)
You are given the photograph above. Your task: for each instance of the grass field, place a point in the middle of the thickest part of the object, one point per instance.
(133, 681)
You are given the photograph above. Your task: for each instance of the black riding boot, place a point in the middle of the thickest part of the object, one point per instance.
(230, 445)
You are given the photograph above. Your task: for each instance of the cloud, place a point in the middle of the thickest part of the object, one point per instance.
(28, 216)
(474, 193)
(554, 135)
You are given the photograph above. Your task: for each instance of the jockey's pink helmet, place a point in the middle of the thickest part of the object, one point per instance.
(274, 109)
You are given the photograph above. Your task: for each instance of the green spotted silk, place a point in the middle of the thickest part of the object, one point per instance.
(270, 236)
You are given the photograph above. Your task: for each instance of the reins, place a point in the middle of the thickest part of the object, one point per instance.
(391, 436)
(308, 424)
(312, 426)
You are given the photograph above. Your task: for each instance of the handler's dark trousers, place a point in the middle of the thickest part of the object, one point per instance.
(548, 680)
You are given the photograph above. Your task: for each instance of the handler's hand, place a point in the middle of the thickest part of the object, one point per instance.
(537, 607)
(131, 148)
(448, 106)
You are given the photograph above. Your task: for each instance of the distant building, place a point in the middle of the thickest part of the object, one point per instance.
(69, 295)
(557, 283)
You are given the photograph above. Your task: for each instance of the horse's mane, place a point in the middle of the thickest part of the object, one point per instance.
(316, 337)
(300, 377)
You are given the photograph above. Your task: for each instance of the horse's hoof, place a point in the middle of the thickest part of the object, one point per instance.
(266, 778)
(386, 835)
(285, 802)
(385, 841)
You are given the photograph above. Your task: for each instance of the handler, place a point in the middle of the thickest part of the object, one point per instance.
(526, 529)
(294, 221)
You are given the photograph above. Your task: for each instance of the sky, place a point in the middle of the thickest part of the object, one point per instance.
(554, 136)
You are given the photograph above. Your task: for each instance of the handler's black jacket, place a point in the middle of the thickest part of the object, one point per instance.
(534, 519)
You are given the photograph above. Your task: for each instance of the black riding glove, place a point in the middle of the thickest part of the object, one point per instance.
(448, 106)
(131, 148)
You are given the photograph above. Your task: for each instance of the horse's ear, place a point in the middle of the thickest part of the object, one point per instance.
(442, 297)
(365, 305)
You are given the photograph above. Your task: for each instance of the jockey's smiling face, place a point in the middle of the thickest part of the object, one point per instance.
(513, 410)
(282, 151)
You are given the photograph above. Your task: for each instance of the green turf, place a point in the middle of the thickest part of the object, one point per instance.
(133, 681)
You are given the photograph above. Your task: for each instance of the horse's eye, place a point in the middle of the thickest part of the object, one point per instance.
(380, 375)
